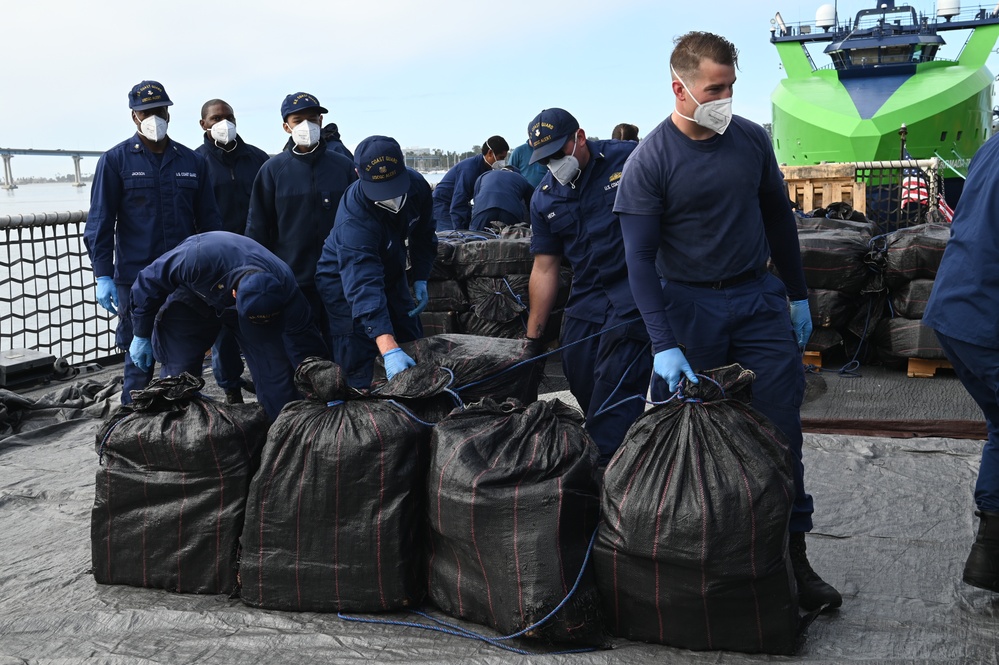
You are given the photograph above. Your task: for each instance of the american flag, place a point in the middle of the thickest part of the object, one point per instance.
(915, 189)
(945, 210)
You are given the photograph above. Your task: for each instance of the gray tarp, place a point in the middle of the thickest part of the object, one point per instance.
(893, 527)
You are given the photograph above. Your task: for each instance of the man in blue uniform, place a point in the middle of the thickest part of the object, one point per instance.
(362, 271)
(963, 310)
(572, 216)
(501, 195)
(149, 194)
(520, 159)
(462, 184)
(296, 194)
(232, 167)
(703, 192)
(221, 279)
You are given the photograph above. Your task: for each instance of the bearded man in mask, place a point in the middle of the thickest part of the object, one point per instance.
(572, 216)
(296, 194)
(383, 217)
(703, 193)
(150, 193)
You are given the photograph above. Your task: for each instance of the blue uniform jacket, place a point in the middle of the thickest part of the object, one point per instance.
(206, 268)
(362, 270)
(501, 189)
(466, 173)
(232, 174)
(142, 205)
(579, 223)
(294, 203)
(443, 191)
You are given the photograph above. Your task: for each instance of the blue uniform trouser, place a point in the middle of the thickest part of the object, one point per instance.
(135, 378)
(481, 219)
(319, 317)
(749, 324)
(227, 364)
(355, 353)
(603, 371)
(182, 335)
(982, 383)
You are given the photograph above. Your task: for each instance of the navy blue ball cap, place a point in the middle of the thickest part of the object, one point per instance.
(548, 132)
(298, 102)
(148, 95)
(260, 298)
(381, 167)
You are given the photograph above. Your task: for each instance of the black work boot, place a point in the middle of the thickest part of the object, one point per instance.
(234, 396)
(982, 568)
(813, 592)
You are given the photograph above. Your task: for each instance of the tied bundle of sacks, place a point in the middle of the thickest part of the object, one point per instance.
(513, 504)
(692, 545)
(335, 519)
(172, 487)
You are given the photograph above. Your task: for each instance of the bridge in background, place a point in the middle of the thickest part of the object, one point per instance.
(8, 153)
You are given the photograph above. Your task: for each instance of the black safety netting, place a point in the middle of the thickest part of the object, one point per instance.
(692, 545)
(513, 504)
(171, 488)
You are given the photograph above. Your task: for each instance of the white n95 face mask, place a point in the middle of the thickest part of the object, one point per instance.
(714, 115)
(153, 128)
(498, 164)
(392, 205)
(224, 132)
(565, 168)
(305, 134)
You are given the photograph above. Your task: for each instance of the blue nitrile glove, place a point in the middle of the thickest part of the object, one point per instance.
(107, 294)
(141, 351)
(801, 321)
(420, 289)
(396, 360)
(672, 365)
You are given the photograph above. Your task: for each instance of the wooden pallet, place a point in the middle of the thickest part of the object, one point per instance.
(811, 358)
(924, 368)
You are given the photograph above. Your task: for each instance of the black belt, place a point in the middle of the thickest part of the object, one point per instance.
(741, 278)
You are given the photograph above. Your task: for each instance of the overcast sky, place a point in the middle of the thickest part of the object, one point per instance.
(445, 74)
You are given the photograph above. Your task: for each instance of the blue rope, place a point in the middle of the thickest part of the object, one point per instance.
(458, 631)
(410, 413)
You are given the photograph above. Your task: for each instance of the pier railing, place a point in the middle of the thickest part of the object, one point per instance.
(47, 296)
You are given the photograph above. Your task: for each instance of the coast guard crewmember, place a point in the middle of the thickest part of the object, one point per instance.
(963, 310)
(221, 279)
(149, 194)
(232, 167)
(465, 173)
(572, 216)
(703, 191)
(501, 196)
(296, 194)
(362, 271)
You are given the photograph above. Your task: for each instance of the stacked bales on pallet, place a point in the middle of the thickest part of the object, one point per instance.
(479, 284)
(171, 489)
(911, 258)
(833, 255)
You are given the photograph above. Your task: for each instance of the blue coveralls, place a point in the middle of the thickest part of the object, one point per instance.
(141, 205)
(459, 207)
(362, 274)
(964, 306)
(232, 174)
(503, 196)
(579, 224)
(292, 208)
(713, 212)
(182, 299)
(520, 157)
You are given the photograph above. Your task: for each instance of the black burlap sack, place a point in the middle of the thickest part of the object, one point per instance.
(692, 545)
(480, 366)
(438, 323)
(445, 296)
(172, 486)
(909, 300)
(447, 241)
(493, 258)
(513, 503)
(914, 253)
(831, 309)
(499, 299)
(335, 518)
(834, 260)
(899, 337)
(473, 324)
